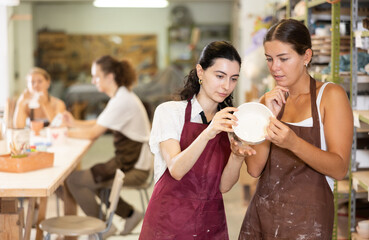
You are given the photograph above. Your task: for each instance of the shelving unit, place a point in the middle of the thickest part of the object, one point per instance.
(179, 41)
(334, 77)
(356, 236)
(359, 179)
(185, 42)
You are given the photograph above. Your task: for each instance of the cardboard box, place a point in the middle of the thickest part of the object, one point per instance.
(34, 161)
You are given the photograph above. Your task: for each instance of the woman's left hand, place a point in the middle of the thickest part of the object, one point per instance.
(280, 134)
(240, 148)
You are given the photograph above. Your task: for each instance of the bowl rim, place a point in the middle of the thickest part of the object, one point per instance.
(257, 104)
(365, 223)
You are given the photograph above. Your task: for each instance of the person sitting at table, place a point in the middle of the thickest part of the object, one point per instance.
(126, 117)
(35, 103)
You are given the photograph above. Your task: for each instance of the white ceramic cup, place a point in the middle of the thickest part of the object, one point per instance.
(18, 137)
(57, 135)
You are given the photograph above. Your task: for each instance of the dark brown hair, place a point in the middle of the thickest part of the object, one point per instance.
(292, 32)
(124, 72)
(211, 52)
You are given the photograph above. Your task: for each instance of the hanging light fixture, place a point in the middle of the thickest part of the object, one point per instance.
(9, 3)
(131, 3)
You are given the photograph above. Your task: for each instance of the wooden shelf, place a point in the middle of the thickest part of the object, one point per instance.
(344, 190)
(363, 115)
(299, 18)
(281, 5)
(314, 3)
(362, 33)
(326, 77)
(360, 181)
(343, 187)
(356, 236)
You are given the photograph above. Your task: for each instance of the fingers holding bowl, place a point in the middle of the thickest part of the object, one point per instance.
(239, 147)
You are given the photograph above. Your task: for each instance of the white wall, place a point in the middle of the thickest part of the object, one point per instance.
(23, 46)
(4, 64)
(249, 10)
(83, 18)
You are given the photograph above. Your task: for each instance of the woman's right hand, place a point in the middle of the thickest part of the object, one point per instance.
(68, 119)
(221, 122)
(25, 96)
(275, 99)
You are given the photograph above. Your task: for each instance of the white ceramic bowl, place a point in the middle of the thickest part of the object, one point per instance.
(253, 118)
(364, 233)
(363, 224)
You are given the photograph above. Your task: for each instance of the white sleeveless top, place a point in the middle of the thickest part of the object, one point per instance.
(309, 123)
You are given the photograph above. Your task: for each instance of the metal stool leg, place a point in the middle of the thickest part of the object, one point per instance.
(142, 201)
(104, 199)
(47, 237)
(57, 206)
(147, 196)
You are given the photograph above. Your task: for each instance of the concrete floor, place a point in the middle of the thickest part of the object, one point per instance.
(102, 149)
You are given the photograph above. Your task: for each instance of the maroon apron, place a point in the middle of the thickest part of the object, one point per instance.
(191, 208)
(292, 200)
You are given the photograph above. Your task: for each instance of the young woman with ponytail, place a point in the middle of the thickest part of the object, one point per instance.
(126, 117)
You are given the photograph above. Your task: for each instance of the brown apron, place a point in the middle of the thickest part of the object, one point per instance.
(292, 200)
(127, 152)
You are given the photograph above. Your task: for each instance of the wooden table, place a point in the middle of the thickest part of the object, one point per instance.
(42, 183)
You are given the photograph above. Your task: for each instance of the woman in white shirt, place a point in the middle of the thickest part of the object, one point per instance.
(126, 117)
(191, 147)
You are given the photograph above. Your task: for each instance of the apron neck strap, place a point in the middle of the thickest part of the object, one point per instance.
(314, 110)
(188, 111)
(202, 114)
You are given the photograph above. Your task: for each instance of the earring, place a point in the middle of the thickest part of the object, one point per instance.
(200, 81)
(306, 65)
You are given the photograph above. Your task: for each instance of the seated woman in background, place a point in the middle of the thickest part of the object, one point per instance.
(35, 102)
(126, 116)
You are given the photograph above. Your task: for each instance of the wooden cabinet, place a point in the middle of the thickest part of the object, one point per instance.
(68, 57)
(51, 54)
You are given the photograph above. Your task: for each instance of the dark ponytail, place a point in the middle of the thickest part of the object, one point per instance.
(124, 72)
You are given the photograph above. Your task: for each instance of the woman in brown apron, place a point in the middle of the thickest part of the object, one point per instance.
(187, 201)
(293, 199)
